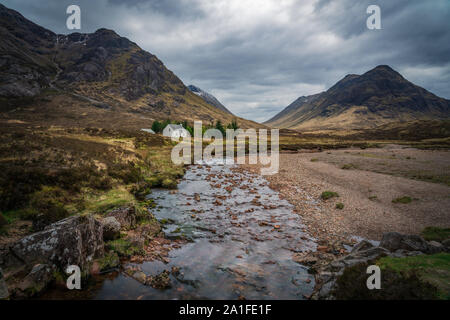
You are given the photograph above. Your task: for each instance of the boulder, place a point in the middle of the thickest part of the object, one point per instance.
(72, 241)
(4, 294)
(394, 241)
(111, 228)
(446, 244)
(126, 216)
(435, 247)
(363, 245)
(39, 278)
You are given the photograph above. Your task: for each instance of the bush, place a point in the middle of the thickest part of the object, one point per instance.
(328, 195)
(339, 205)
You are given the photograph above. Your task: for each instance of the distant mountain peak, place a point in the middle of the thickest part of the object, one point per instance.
(209, 98)
(379, 96)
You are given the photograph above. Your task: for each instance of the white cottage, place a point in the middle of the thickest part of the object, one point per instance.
(175, 131)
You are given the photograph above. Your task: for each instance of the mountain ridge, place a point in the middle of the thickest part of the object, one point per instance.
(101, 69)
(381, 95)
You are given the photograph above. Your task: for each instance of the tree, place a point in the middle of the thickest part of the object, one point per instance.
(233, 125)
(220, 127)
(157, 126)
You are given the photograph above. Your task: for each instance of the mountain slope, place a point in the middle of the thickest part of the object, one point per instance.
(96, 77)
(209, 98)
(377, 97)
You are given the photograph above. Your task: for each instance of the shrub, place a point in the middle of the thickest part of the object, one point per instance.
(328, 195)
(339, 205)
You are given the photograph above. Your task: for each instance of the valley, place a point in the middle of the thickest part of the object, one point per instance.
(363, 179)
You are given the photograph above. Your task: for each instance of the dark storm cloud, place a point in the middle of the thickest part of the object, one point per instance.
(257, 56)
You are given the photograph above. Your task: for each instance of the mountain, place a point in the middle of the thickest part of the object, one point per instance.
(209, 98)
(96, 79)
(377, 97)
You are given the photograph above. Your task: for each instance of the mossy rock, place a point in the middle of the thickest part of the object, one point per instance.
(352, 285)
(169, 183)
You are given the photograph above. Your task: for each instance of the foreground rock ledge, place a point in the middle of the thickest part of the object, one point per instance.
(393, 244)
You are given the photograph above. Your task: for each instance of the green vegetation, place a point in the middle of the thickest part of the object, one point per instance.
(158, 126)
(314, 160)
(351, 285)
(124, 248)
(233, 125)
(339, 205)
(328, 195)
(102, 202)
(49, 174)
(431, 269)
(373, 198)
(348, 166)
(403, 200)
(109, 261)
(436, 234)
(220, 127)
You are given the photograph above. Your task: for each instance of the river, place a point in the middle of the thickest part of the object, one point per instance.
(241, 237)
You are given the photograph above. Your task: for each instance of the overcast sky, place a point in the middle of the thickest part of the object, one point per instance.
(257, 56)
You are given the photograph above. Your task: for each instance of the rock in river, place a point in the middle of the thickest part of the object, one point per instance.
(111, 228)
(126, 216)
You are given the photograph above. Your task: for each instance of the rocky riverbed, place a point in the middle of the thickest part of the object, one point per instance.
(226, 235)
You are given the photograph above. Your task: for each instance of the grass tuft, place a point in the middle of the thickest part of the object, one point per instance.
(328, 195)
(403, 200)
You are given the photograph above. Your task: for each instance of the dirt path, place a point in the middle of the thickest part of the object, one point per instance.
(367, 196)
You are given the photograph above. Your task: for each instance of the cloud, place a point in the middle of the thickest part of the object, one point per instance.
(257, 56)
